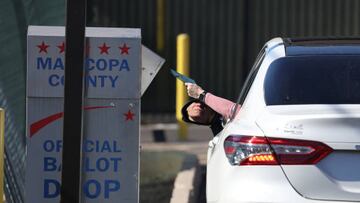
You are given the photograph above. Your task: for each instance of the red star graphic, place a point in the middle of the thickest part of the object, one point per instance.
(129, 116)
(104, 49)
(43, 47)
(124, 49)
(61, 47)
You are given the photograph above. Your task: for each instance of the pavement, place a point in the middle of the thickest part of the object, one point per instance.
(189, 185)
(196, 143)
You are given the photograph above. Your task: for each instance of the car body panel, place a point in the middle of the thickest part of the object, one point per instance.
(335, 178)
(218, 166)
(324, 123)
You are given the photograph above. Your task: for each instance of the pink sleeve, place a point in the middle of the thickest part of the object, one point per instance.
(220, 105)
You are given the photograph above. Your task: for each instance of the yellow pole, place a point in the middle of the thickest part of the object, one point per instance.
(182, 64)
(160, 31)
(2, 130)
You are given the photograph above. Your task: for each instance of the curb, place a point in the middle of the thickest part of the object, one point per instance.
(187, 182)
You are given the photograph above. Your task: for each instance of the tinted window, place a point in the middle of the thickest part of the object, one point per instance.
(313, 80)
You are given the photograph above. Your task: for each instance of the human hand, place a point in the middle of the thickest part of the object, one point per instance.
(193, 90)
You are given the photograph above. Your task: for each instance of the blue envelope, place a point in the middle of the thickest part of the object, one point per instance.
(182, 77)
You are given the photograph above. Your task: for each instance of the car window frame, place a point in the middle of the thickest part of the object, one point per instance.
(249, 81)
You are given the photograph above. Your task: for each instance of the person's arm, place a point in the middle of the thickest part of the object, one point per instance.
(220, 105)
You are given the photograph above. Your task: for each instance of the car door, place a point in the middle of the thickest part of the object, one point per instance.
(245, 89)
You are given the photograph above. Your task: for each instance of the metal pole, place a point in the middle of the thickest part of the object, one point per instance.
(183, 67)
(73, 100)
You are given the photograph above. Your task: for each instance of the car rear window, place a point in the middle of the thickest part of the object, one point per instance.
(313, 80)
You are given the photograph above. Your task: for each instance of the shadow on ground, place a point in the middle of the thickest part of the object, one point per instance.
(158, 171)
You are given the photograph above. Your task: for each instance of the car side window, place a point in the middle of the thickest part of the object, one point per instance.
(249, 80)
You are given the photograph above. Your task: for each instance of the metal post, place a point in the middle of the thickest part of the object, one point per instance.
(73, 100)
(182, 64)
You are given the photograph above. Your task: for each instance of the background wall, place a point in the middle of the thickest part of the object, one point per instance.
(225, 35)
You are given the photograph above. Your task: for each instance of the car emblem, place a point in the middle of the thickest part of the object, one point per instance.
(357, 147)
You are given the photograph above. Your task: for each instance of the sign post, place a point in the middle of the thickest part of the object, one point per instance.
(110, 164)
(71, 171)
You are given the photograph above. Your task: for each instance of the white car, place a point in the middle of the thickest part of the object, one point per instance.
(296, 137)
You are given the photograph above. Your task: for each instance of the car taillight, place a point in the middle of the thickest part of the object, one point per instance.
(252, 150)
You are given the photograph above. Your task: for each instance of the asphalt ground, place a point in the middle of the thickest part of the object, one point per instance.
(164, 137)
(197, 140)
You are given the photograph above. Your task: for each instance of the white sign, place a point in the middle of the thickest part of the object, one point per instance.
(111, 115)
(111, 65)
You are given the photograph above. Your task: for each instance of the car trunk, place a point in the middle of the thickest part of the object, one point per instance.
(337, 176)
